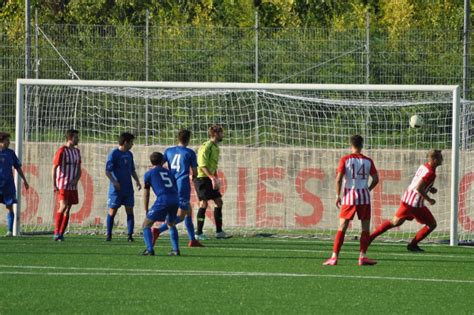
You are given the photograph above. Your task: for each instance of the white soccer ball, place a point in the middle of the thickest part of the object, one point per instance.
(416, 121)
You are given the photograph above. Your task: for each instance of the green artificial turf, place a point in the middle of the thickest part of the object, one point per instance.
(252, 275)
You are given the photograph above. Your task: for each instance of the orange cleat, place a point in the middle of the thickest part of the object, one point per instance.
(195, 243)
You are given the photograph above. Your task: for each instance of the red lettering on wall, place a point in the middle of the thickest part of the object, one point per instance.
(264, 197)
(466, 222)
(308, 197)
(88, 187)
(30, 195)
(241, 196)
(381, 199)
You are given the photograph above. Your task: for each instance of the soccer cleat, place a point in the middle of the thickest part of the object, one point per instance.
(148, 253)
(108, 238)
(9, 234)
(57, 238)
(195, 243)
(330, 262)
(174, 253)
(201, 237)
(61, 238)
(222, 235)
(130, 238)
(364, 261)
(414, 248)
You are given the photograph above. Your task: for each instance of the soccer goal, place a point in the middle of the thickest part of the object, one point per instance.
(278, 158)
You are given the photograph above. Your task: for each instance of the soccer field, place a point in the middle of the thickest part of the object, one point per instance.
(239, 275)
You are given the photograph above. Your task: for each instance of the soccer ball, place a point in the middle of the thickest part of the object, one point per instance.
(416, 121)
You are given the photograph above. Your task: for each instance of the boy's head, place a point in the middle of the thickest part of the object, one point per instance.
(126, 139)
(4, 139)
(357, 142)
(156, 159)
(216, 132)
(435, 157)
(72, 135)
(184, 136)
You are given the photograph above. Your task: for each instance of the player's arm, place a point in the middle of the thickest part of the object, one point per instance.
(112, 180)
(137, 180)
(53, 174)
(433, 190)
(375, 181)
(193, 173)
(146, 197)
(22, 176)
(421, 189)
(339, 178)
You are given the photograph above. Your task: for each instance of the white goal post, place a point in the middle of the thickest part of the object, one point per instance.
(255, 126)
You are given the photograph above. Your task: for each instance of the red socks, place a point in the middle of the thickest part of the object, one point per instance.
(385, 226)
(64, 224)
(338, 241)
(424, 232)
(155, 233)
(57, 222)
(364, 241)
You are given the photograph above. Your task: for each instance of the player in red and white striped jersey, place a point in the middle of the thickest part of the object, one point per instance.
(412, 203)
(355, 169)
(66, 174)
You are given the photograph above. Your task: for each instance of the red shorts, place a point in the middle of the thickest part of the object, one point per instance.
(70, 197)
(348, 212)
(422, 215)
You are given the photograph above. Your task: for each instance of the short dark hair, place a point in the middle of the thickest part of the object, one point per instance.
(435, 155)
(70, 133)
(4, 136)
(357, 141)
(125, 137)
(214, 129)
(156, 158)
(184, 135)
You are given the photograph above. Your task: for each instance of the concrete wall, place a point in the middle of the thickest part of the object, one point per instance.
(262, 187)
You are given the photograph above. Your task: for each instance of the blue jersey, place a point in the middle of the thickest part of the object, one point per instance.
(179, 160)
(8, 160)
(163, 184)
(121, 165)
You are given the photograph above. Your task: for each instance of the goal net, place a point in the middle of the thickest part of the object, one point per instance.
(278, 158)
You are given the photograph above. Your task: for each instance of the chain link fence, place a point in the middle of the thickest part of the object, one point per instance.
(269, 55)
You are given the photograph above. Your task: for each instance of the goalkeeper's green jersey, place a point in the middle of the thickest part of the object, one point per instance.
(208, 156)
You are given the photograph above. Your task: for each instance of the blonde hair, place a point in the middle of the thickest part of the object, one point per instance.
(214, 129)
(434, 155)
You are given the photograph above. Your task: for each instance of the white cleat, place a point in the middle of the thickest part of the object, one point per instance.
(222, 235)
(201, 237)
(9, 234)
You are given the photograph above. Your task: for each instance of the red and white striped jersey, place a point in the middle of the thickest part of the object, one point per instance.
(356, 169)
(411, 196)
(69, 162)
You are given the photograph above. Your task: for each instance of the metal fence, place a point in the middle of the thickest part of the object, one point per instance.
(162, 53)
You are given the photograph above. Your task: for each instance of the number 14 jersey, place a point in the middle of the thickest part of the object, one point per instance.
(356, 169)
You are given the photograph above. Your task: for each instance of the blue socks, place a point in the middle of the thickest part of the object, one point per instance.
(110, 224)
(148, 238)
(10, 219)
(188, 222)
(174, 238)
(130, 223)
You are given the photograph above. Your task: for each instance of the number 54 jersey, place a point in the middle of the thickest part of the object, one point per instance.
(356, 169)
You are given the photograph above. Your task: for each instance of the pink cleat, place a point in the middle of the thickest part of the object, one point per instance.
(330, 262)
(366, 262)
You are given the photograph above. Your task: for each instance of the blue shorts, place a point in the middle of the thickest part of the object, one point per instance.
(8, 200)
(184, 198)
(168, 213)
(117, 200)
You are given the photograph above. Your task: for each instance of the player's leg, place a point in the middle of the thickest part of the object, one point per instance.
(364, 241)
(59, 216)
(157, 231)
(423, 216)
(130, 222)
(10, 220)
(110, 222)
(188, 222)
(397, 220)
(201, 217)
(338, 241)
(174, 239)
(147, 236)
(65, 221)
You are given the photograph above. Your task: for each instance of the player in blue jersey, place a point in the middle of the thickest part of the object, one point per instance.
(182, 163)
(120, 169)
(165, 207)
(8, 161)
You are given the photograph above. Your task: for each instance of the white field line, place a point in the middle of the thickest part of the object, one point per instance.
(82, 271)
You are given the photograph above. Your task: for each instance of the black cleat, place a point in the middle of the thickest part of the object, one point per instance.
(414, 248)
(147, 253)
(108, 238)
(174, 253)
(130, 238)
